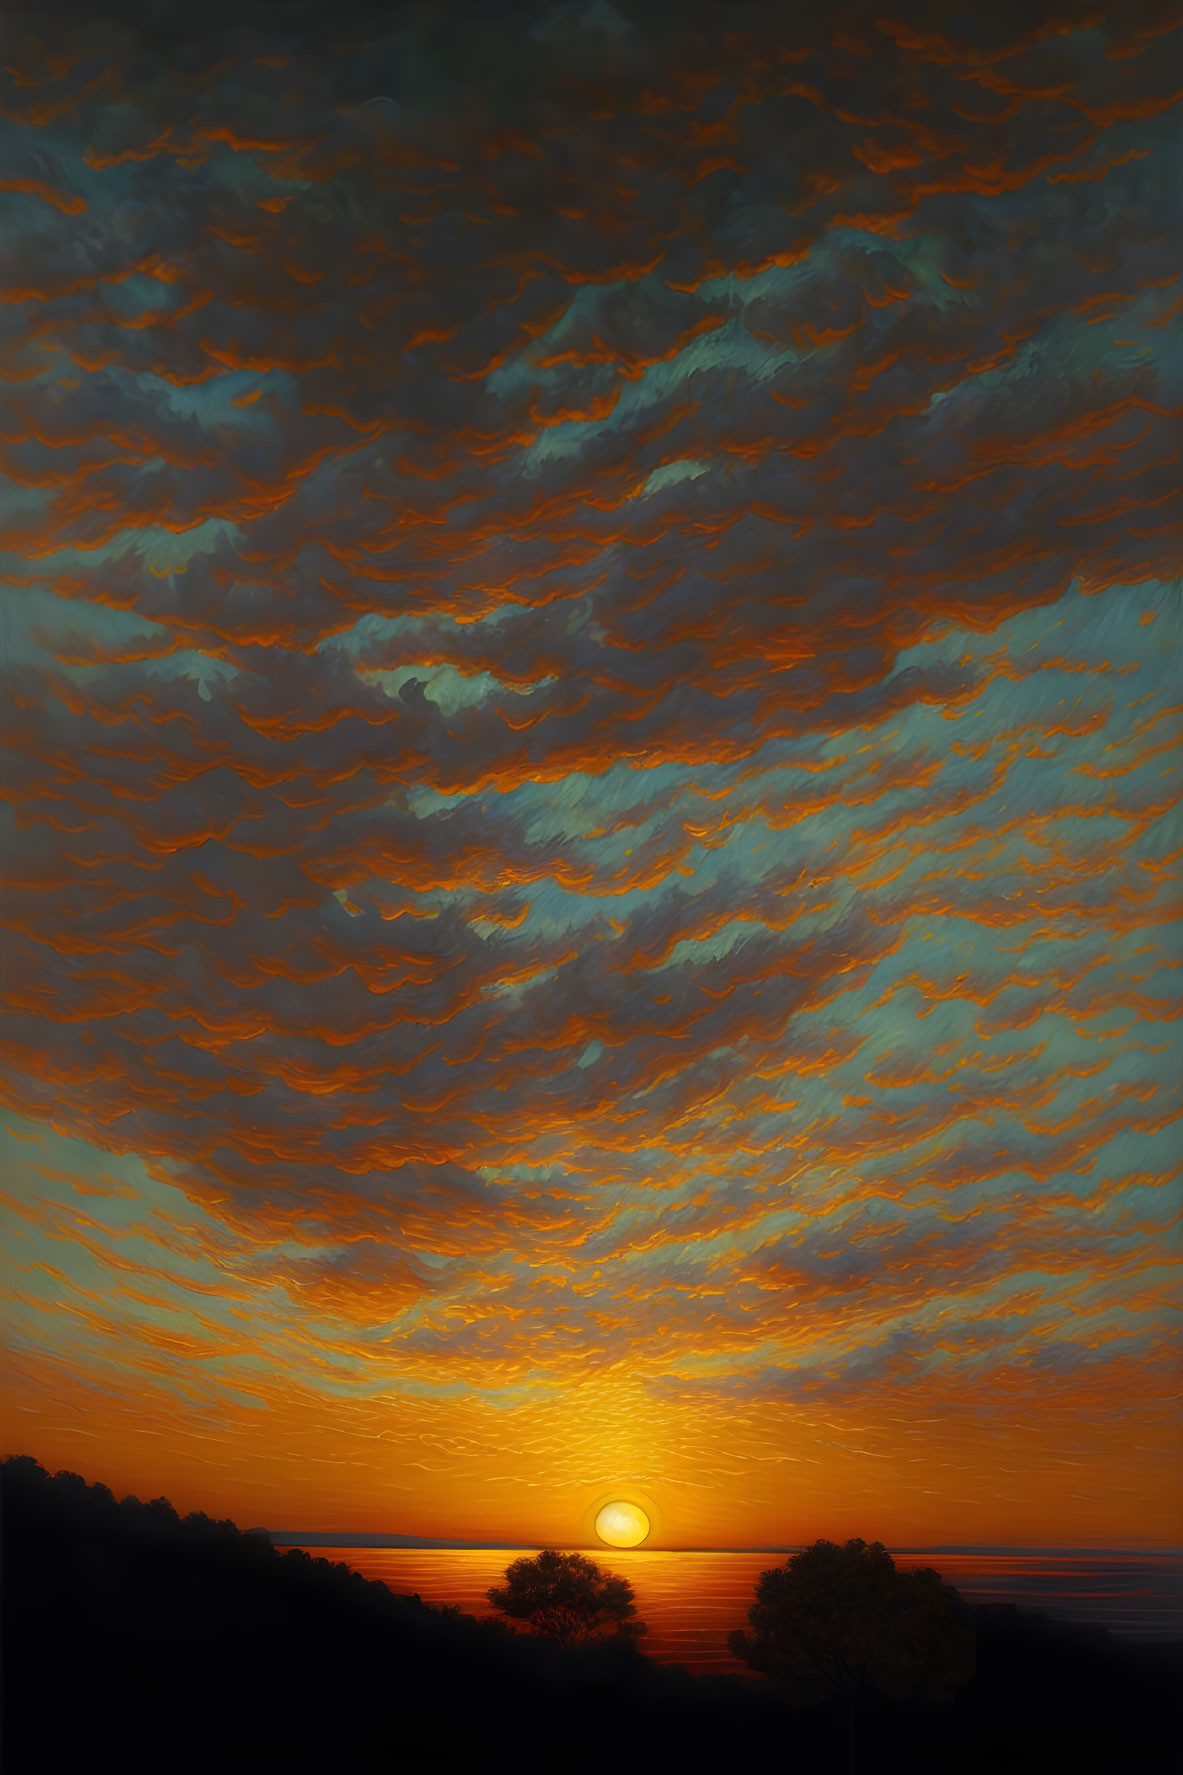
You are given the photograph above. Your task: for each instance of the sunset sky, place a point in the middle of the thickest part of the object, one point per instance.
(592, 690)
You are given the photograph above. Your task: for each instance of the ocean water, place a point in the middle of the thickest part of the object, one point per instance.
(691, 1601)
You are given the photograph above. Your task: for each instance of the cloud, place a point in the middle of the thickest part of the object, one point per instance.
(589, 691)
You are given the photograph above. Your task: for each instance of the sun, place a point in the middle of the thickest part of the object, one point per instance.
(621, 1524)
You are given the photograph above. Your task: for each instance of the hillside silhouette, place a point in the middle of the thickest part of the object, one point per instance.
(140, 1642)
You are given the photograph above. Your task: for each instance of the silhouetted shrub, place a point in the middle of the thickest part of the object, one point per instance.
(568, 1598)
(837, 1623)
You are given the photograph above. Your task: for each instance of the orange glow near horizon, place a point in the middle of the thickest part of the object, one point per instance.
(720, 1479)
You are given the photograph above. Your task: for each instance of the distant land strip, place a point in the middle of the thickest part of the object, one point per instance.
(290, 1537)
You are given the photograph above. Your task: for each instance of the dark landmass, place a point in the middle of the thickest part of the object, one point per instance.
(138, 1643)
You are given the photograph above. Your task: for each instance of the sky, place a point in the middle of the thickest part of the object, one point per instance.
(590, 640)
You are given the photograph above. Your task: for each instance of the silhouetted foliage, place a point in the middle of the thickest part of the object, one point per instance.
(568, 1598)
(137, 1642)
(839, 1622)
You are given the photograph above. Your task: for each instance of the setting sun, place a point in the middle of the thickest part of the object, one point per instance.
(621, 1524)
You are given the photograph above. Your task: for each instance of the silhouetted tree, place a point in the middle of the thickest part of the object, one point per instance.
(568, 1598)
(841, 1623)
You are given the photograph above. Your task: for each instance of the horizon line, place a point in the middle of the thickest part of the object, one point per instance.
(439, 1544)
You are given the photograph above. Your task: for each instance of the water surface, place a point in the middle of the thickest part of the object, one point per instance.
(691, 1601)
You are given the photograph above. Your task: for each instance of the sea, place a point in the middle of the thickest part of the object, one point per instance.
(692, 1600)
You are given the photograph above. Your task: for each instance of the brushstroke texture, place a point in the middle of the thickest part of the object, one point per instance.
(590, 890)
